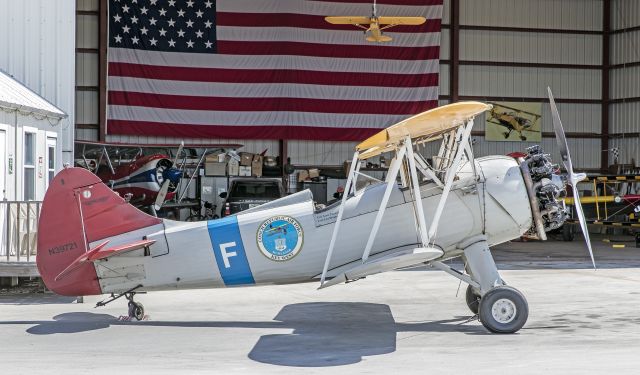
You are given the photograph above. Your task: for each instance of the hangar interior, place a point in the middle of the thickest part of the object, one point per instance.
(491, 50)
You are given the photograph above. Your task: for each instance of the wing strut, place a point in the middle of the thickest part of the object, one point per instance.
(355, 166)
(458, 147)
(391, 181)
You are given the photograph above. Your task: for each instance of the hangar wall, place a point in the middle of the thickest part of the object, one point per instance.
(508, 50)
(87, 69)
(624, 110)
(38, 52)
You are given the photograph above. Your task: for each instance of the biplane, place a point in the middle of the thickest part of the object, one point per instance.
(108, 246)
(374, 25)
(145, 174)
(513, 119)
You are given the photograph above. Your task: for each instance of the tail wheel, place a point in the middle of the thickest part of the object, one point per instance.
(473, 300)
(503, 309)
(136, 310)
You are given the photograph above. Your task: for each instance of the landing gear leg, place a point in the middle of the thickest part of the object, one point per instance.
(136, 310)
(501, 309)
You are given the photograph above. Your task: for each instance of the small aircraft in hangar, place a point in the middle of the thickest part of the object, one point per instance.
(108, 246)
(145, 174)
(375, 24)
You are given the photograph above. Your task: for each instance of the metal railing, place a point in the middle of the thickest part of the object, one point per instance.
(19, 230)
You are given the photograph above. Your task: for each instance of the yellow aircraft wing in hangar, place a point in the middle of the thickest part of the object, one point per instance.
(401, 20)
(348, 20)
(429, 125)
(359, 20)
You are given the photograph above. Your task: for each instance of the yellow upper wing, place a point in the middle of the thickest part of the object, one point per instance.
(348, 20)
(431, 123)
(401, 20)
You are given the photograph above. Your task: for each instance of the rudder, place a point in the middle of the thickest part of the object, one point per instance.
(79, 209)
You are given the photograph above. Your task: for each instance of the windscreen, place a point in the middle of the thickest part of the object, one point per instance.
(255, 190)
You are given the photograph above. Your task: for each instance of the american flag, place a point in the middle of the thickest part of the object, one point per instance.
(266, 69)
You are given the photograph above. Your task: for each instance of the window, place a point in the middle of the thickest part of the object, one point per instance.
(29, 166)
(51, 159)
(264, 189)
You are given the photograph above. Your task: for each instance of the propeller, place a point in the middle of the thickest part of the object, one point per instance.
(164, 189)
(574, 178)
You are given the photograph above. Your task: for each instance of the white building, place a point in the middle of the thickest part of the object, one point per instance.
(37, 107)
(30, 132)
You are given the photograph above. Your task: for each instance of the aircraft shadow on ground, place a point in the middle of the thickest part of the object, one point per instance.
(323, 333)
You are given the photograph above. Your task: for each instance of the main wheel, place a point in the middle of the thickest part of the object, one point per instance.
(503, 309)
(136, 310)
(473, 300)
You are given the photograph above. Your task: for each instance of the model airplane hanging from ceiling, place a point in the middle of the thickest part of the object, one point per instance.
(375, 24)
(90, 241)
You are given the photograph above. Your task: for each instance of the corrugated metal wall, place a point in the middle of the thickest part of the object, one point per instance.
(87, 69)
(37, 49)
(624, 116)
(506, 46)
(478, 80)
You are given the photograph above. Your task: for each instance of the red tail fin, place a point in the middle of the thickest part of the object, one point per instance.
(79, 209)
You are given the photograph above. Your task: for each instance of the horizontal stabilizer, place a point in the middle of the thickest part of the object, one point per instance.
(388, 263)
(348, 20)
(401, 20)
(99, 252)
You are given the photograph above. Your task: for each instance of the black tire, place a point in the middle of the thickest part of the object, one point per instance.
(503, 309)
(136, 310)
(139, 311)
(473, 300)
(567, 232)
(194, 218)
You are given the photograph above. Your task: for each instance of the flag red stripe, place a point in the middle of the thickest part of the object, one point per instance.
(372, 51)
(271, 76)
(307, 21)
(212, 103)
(239, 131)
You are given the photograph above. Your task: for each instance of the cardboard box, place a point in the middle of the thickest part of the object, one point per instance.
(314, 173)
(215, 168)
(246, 158)
(245, 171)
(303, 176)
(217, 157)
(256, 166)
(233, 167)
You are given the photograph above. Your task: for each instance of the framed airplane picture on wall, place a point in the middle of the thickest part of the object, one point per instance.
(514, 121)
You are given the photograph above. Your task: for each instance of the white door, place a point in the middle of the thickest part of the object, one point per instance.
(51, 160)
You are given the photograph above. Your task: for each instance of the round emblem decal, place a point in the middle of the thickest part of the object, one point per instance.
(280, 238)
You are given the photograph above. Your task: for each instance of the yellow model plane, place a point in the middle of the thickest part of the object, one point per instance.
(374, 29)
(513, 119)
